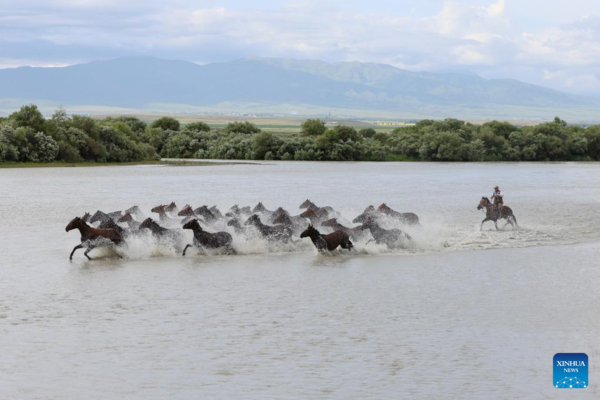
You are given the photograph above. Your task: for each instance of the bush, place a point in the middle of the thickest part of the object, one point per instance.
(313, 127)
(166, 123)
(367, 132)
(198, 127)
(242, 127)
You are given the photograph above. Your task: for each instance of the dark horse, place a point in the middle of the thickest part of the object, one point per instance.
(162, 234)
(277, 232)
(492, 213)
(392, 238)
(328, 242)
(92, 237)
(355, 233)
(405, 218)
(203, 239)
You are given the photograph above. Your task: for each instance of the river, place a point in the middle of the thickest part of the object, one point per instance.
(462, 313)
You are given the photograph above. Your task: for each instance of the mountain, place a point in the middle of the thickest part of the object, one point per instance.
(142, 82)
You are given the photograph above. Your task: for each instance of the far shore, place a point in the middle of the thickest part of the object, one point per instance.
(169, 162)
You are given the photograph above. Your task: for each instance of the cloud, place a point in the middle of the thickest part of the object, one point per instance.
(478, 35)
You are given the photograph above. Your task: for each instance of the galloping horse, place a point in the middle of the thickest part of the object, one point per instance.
(370, 212)
(216, 212)
(203, 239)
(393, 238)
(355, 233)
(328, 242)
(208, 216)
(186, 211)
(277, 232)
(92, 237)
(172, 208)
(162, 214)
(260, 208)
(405, 218)
(127, 217)
(494, 214)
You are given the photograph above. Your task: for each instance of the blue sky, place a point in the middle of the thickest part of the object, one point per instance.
(554, 44)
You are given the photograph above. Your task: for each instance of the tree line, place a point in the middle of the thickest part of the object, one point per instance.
(26, 136)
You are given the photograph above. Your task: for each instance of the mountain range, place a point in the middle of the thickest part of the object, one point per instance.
(263, 84)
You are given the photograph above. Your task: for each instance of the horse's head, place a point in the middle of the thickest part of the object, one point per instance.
(193, 225)
(133, 210)
(305, 204)
(383, 208)
(309, 232)
(126, 217)
(159, 209)
(205, 212)
(74, 224)
(368, 223)
(98, 216)
(215, 211)
(484, 202)
(147, 224)
(86, 217)
(259, 208)
(363, 217)
(332, 223)
(310, 214)
(235, 209)
(282, 218)
(171, 207)
(322, 213)
(253, 220)
(186, 211)
(234, 222)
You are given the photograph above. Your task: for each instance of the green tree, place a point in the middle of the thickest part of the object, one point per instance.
(30, 117)
(198, 127)
(166, 123)
(245, 127)
(313, 127)
(367, 132)
(263, 144)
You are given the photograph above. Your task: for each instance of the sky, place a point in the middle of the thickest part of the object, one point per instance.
(550, 43)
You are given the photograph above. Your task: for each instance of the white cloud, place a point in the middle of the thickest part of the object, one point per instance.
(479, 35)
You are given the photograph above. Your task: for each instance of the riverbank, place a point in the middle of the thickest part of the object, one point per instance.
(60, 164)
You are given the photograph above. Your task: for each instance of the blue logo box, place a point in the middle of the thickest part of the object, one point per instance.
(570, 371)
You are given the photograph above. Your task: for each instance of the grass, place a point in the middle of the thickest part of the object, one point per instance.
(60, 164)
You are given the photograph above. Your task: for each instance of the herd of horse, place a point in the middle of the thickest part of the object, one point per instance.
(113, 229)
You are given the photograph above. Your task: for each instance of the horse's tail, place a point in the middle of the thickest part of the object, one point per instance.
(514, 219)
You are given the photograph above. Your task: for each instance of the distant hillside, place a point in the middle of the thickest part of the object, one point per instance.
(259, 84)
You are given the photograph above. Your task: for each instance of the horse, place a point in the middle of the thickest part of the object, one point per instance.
(370, 212)
(277, 232)
(393, 238)
(128, 218)
(172, 208)
(161, 233)
(235, 211)
(102, 216)
(328, 242)
(404, 218)
(315, 217)
(312, 206)
(208, 216)
(297, 224)
(111, 224)
(203, 239)
(260, 208)
(92, 237)
(135, 210)
(355, 233)
(237, 227)
(494, 214)
(216, 212)
(86, 217)
(186, 211)
(162, 214)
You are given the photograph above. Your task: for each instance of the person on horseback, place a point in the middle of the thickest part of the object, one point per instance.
(498, 199)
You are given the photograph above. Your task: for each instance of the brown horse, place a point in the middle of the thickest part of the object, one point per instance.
(404, 218)
(186, 211)
(128, 218)
(171, 208)
(92, 237)
(493, 213)
(207, 240)
(162, 214)
(328, 242)
(315, 217)
(355, 233)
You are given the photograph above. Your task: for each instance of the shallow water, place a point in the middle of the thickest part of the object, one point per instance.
(462, 313)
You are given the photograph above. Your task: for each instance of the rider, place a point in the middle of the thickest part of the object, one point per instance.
(497, 198)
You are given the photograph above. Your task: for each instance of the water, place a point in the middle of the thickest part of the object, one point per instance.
(463, 313)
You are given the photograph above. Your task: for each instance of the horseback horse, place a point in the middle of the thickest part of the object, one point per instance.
(493, 213)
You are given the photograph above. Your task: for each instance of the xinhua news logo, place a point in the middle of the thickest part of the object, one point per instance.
(570, 370)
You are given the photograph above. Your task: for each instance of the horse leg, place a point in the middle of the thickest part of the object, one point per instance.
(515, 220)
(186, 247)
(481, 227)
(496, 224)
(88, 250)
(79, 246)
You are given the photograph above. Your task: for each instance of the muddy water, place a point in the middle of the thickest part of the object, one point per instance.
(461, 313)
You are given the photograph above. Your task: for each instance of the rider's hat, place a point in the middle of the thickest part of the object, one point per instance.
(496, 187)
